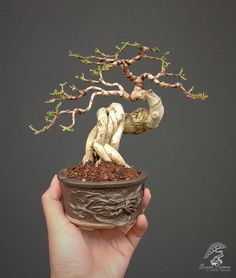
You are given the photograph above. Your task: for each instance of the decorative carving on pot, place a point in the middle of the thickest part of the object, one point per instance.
(105, 206)
(110, 204)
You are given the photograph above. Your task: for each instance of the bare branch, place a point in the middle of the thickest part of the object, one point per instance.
(74, 112)
(83, 78)
(98, 51)
(187, 93)
(104, 62)
(115, 84)
(53, 121)
(130, 75)
(98, 60)
(101, 81)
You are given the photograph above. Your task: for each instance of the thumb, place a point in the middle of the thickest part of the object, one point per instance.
(52, 206)
(138, 230)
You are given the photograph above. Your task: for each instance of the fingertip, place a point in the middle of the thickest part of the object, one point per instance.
(142, 222)
(146, 198)
(138, 230)
(54, 181)
(147, 193)
(52, 206)
(55, 178)
(54, 189)
(53, 192)
(141, 225)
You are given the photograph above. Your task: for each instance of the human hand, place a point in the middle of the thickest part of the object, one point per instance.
(78, 253)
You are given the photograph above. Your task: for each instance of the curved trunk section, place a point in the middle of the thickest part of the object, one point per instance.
(104, 139)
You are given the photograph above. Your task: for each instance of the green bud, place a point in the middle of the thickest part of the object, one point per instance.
(50, 101)
(65, 128)
(96, 71)
(200, 96)
(165, 54)
(58, 106)
(154, 49)
(73, 87)
(97, 51)
(85, 61)
(191, 89)
(75, 55)
(56, 93)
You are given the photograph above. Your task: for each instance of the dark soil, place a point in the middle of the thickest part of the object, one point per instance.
(105, 171)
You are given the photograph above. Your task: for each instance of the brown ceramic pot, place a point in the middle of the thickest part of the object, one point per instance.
(102, 205)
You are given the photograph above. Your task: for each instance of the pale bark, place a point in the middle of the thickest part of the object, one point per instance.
(104, 140)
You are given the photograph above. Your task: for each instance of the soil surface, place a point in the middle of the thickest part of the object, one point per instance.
(105, 171)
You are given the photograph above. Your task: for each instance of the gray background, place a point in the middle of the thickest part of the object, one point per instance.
(190, 158)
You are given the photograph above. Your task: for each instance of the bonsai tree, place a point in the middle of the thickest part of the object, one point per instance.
(104, 139)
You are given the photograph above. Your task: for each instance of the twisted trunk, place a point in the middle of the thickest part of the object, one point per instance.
(104, 139)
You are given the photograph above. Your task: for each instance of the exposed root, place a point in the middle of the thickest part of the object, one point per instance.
(115, 155)
(99, 149)
(89, 145)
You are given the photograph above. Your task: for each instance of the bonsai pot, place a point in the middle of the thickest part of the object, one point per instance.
(102, 205)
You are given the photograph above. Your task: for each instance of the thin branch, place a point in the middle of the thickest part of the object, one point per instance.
(90, 59)
(79, 111)
(83, 78)
(101, 81)
(187, 93)
(106, 62)
(130, 75)
(115, 84)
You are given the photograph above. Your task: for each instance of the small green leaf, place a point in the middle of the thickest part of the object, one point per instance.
(165, 64)
(52, 113)
(125, 42)
(58, 106)
(138, 45)
(50, 101)
(62, 85)
(165, 54)
(182, 74)
(73, 87)
(199, 96)
(122, 46)
(96, 71)
(85, 61)
(105, 67)
(117, 47)
(56, 93)
(191, 89)
(48, 117)
(154, 49)
(80, 76)
(97, 51)
(74, 55)
(66, 128)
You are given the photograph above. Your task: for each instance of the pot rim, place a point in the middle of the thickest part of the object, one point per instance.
(72, 182)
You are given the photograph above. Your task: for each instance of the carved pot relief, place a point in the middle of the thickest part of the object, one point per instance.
(102, 205)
